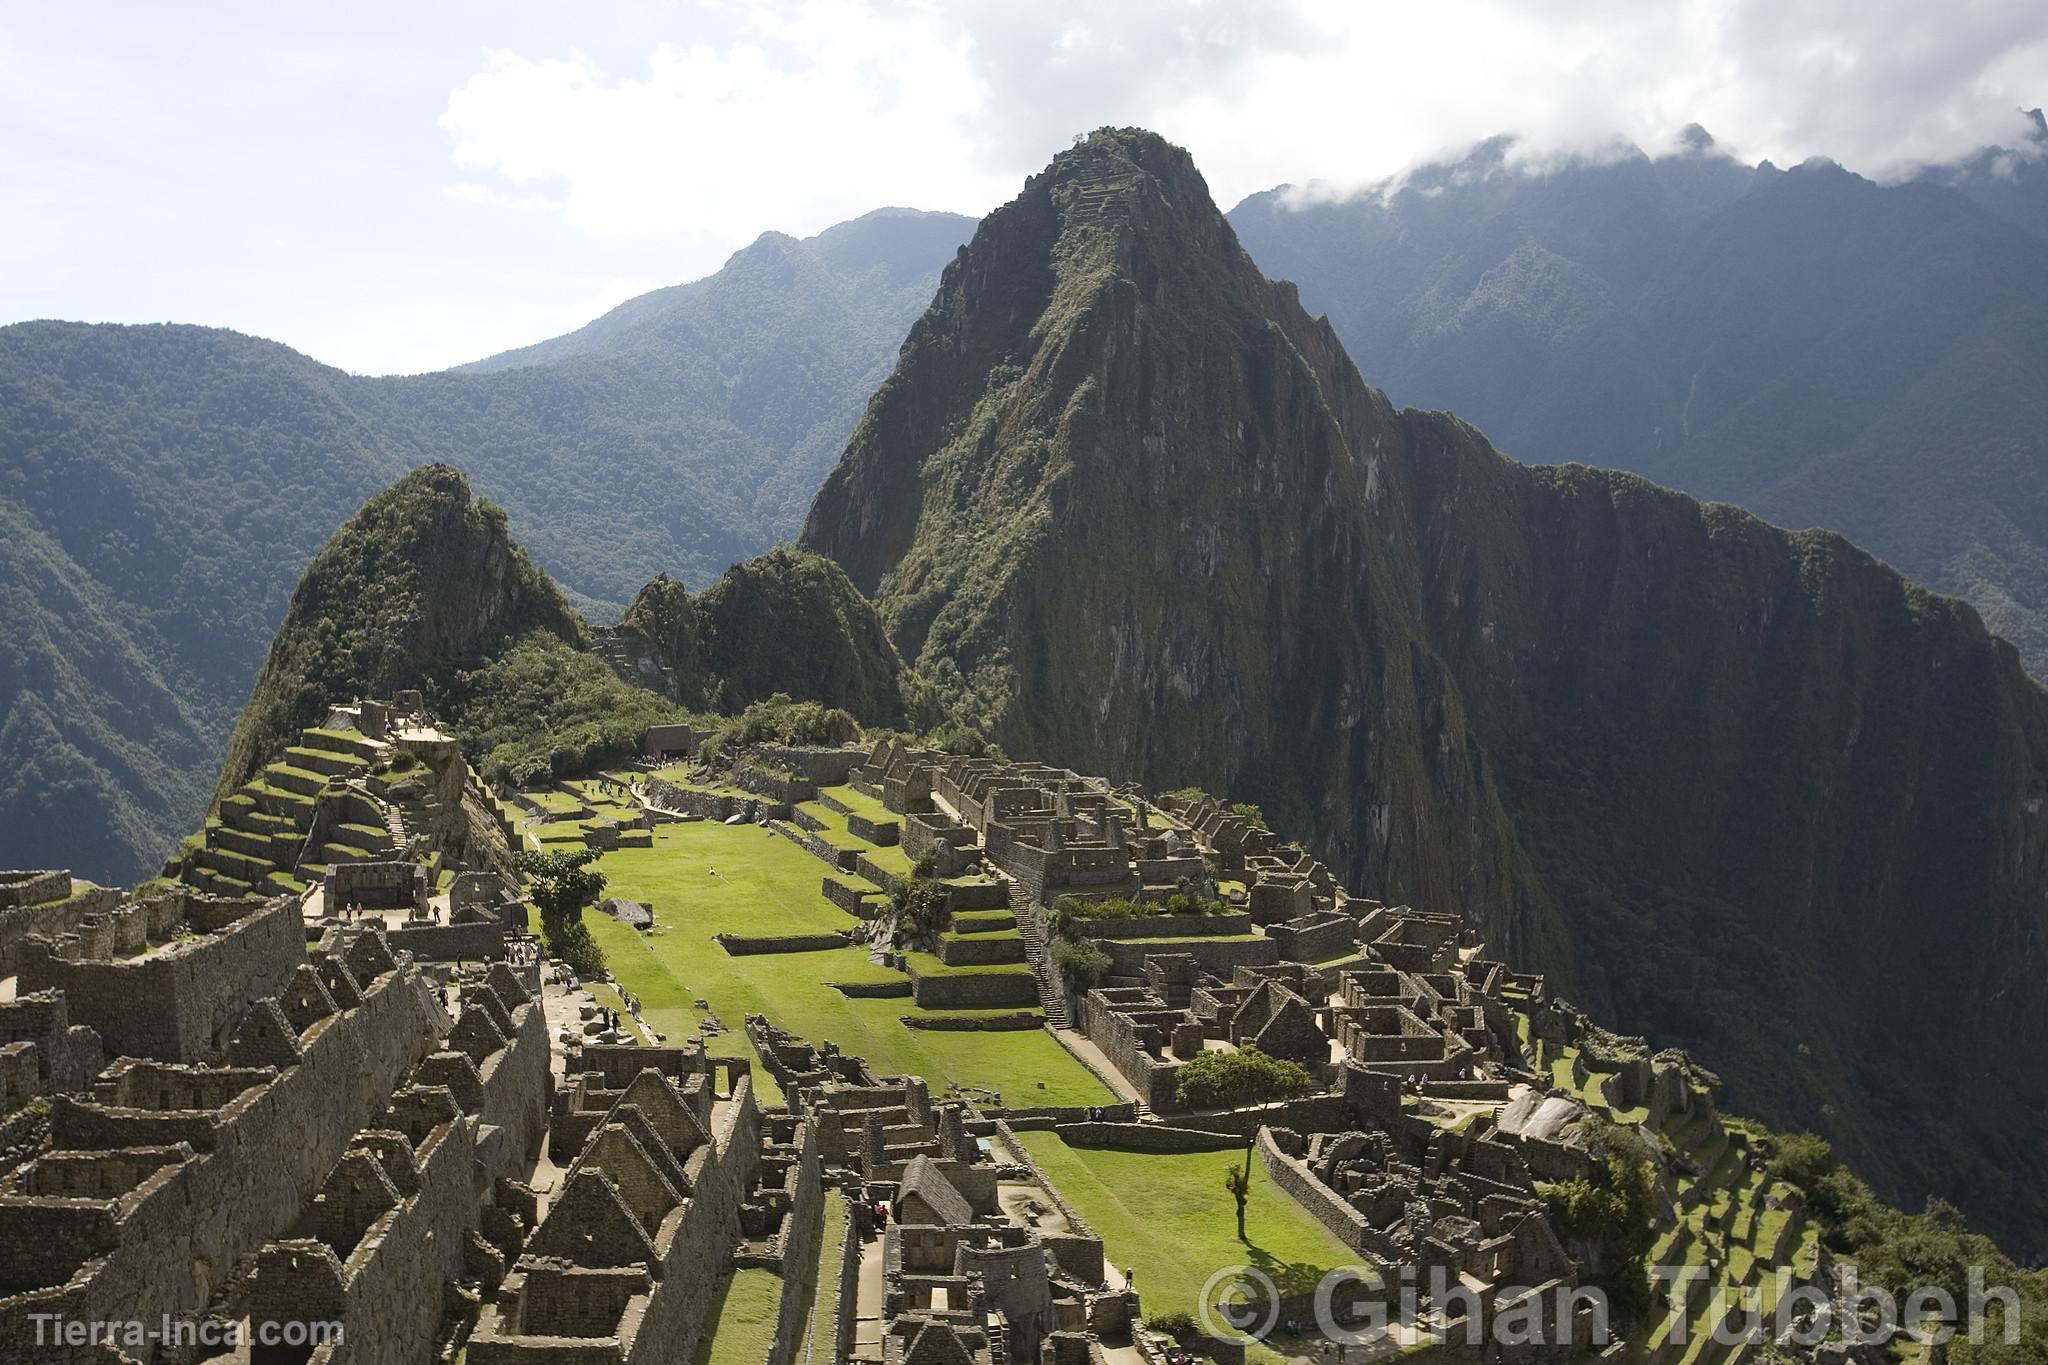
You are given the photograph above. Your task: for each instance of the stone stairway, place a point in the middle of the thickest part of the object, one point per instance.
(1051, 998)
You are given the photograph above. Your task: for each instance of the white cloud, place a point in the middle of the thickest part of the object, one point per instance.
(822, 108)
(820, 114)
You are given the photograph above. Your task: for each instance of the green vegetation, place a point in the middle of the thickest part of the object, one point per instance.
(1080, 965)
(704, 879)
(1168, 1217)
(543, 709)
(1232, 1080)
(165, 485)
(778, 720)
(1904, 1251)
(1615, 1211)
(741, 1318)
(1069, 914)
(423, 578)
(562, 884)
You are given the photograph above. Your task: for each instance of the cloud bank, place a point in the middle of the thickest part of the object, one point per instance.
(814, 110)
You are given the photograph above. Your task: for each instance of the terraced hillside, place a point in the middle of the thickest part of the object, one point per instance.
(338, 795)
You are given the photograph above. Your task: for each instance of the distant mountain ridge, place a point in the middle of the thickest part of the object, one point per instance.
(1748, 791)
(169, 483)
(1819, 349)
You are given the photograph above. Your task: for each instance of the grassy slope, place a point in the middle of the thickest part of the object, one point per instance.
(743, 1318)
(1168, 1217)
(767, 886)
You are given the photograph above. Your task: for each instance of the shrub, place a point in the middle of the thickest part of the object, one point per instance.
(1080, 965)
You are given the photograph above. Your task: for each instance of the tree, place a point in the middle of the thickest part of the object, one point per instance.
(561, 884)
(1238, 1180)
(1234, 1080)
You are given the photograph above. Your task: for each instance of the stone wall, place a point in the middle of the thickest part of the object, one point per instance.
(1345, 1223)
(49, 919)
(450, 942)
(1146, 1137)
(178, 1003)
(1220, 958)
(1315, 940)
(880, 833)
(1163, 926)
(739, 946)
(825, 767)
(33, 888)
(974, 990)
(802, 1231)
(393, 1279)
(711, 805)
(817, 846)
(853, 899)
(266, 1154)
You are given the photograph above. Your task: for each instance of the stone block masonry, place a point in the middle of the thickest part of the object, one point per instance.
(178, 1003)
(33, 888)
(262, 1154)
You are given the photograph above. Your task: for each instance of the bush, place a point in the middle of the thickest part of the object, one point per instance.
(1080, 965)
(1182, 1327)
(779, 720)
(919, 909)
(575, 945)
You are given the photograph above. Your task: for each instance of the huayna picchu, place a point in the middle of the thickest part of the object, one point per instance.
(1182, 858)
(1739, 789)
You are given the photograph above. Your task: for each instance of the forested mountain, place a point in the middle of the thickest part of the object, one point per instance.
(1812, 346)
(1745, 790)
(163, 486)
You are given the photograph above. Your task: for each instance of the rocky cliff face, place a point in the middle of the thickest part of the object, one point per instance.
(1750, 791)
(424, 578)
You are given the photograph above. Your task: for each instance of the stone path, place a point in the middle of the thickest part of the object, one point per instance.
(867, 1303)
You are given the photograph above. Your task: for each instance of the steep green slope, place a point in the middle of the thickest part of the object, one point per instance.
(784, 622)
(1814, 347)
(423, 579)
(178, 478)
(1141, 504)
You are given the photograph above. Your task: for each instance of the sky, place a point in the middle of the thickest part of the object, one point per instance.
(396, 188)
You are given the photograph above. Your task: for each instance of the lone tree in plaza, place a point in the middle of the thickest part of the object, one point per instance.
(1236, 1080)
(561, 885)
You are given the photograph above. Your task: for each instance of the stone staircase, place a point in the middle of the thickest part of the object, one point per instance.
(1051, 997)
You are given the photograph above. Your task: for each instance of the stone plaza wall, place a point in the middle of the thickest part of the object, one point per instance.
(1324, 1204)
(178, 1003)
(431, 942)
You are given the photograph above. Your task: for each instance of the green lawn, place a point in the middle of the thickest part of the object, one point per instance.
(860, 803)
(742, 1317)
(767, 886)
(1167, 1216)
(824, 1321)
